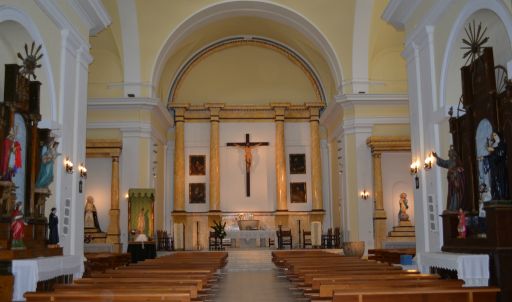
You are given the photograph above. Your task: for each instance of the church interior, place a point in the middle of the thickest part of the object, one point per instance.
(258, 150)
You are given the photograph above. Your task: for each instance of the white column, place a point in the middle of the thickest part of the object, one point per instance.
(419, 54)
(326, 181)
(75, 59)
(169, 185)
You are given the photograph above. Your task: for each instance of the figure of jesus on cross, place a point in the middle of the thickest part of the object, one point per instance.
(247, 146)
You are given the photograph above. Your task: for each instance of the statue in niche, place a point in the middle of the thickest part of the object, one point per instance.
(455, 178)
(402, 213)
(48, 156)
(10, 161)
(90, 215)
(17, 227)
(53, 225)
(496, 164)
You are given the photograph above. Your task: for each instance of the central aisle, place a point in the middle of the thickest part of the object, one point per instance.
(251, 276)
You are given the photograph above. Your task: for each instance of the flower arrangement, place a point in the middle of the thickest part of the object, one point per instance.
(220, 229)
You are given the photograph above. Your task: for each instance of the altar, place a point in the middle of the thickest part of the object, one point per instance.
(245, 238)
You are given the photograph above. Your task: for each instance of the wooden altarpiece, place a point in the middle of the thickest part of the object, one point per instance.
(486, 104)
(20, 111)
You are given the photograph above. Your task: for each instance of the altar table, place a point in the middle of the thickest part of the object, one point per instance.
(247, 235)
(27, 272)
(473, 269)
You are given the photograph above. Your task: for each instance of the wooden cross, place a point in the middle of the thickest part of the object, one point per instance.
(248, 146)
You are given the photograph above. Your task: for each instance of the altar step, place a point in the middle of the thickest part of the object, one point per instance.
(403, 232)
(95, 235)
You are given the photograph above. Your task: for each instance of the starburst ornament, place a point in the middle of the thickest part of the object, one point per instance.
(474, 41)
(30, 61)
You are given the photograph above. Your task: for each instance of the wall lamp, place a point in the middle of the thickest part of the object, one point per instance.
(415, 167)
(365, 194)
(83, 170)
(429, 161)
(68, 165)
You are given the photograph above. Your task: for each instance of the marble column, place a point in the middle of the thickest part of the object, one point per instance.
(113, 233)
(316, 162)
(379, 215)
(214, 157)
(281, 184)
(179, 160)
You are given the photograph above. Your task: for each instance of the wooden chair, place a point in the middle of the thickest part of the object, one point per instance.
(286, 239)
(163, 241)
(328, 239)
(306, 239)
(337, 238)
(213, 242)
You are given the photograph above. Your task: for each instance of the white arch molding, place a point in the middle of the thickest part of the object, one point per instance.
(8, 13)
(473, 6)
(254, 8)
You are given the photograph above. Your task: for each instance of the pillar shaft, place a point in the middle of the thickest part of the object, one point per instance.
(379, 215)
(280, 162)
(113, 233)
(179, 162)
(316, 162)
(214, 160)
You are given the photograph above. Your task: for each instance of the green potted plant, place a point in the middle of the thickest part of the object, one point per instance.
(219, 229)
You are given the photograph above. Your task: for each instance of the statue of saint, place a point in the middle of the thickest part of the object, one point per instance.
(48, 156)
(141, 222)
(496, 164)
(402, 213)
(455, 177)
(17, 227)
(10, 162)
(90, 215)
(53, 225)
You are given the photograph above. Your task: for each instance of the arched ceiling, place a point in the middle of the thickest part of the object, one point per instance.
(246, 26)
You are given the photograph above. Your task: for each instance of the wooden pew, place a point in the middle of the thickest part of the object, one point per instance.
(106, 296)
(437, 294)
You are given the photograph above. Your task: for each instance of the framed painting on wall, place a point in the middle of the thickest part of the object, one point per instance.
(197, 192)
(141, 215)
(297, 163)
(197, 165)
(298, 192)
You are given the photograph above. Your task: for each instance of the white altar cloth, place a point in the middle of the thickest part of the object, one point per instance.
(473, 269)
(27, 272)
(251, 234)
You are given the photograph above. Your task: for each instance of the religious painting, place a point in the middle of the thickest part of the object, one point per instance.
(197, 192)
(297, 163)
(197, 165)
(298, 192)
(141, 213)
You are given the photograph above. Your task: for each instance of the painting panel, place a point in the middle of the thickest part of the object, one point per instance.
(298, 192)
(297, 164)
(141, 215)
(197, 165)
(197, 192)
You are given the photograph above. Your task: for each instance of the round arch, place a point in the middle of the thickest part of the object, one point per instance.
(248, 8)
(284, 50)
(8, 13)
(471, 8)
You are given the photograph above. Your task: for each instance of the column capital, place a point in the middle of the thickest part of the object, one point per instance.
(314, 111)
(215, 109)
(376, 154)
(279, 109)
(179, 111)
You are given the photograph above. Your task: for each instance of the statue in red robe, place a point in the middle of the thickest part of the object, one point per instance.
(17, 227)
(10, 161)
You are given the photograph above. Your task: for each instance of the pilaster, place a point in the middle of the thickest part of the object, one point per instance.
(281, 183)
(214, 157)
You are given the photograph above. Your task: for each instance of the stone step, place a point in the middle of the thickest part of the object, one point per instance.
(401, 234)
(401, 239)
(403, 229)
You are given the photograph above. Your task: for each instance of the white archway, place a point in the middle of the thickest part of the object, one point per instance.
(8, 13)
(497, 7)
(249, 8)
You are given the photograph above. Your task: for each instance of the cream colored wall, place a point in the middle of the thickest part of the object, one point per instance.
(386, 65)
(160, 188)
(391, 130)
(245, 74)
(104, 134)
(335, 181)
(352, 187)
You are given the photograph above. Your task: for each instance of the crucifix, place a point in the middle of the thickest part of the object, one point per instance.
(248, 146)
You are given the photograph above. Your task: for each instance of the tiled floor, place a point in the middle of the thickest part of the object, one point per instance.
(250, 276)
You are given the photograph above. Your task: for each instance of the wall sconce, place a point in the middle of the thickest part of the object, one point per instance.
(415, 167)
(365, 194)
(429, 161)
(83, 170)
(68, 165)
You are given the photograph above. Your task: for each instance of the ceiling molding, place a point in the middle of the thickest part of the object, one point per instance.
(380, 144)
(398, 12)
(93, 13)
(132, 103)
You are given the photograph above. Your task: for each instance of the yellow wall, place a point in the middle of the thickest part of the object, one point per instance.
(245, 74)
